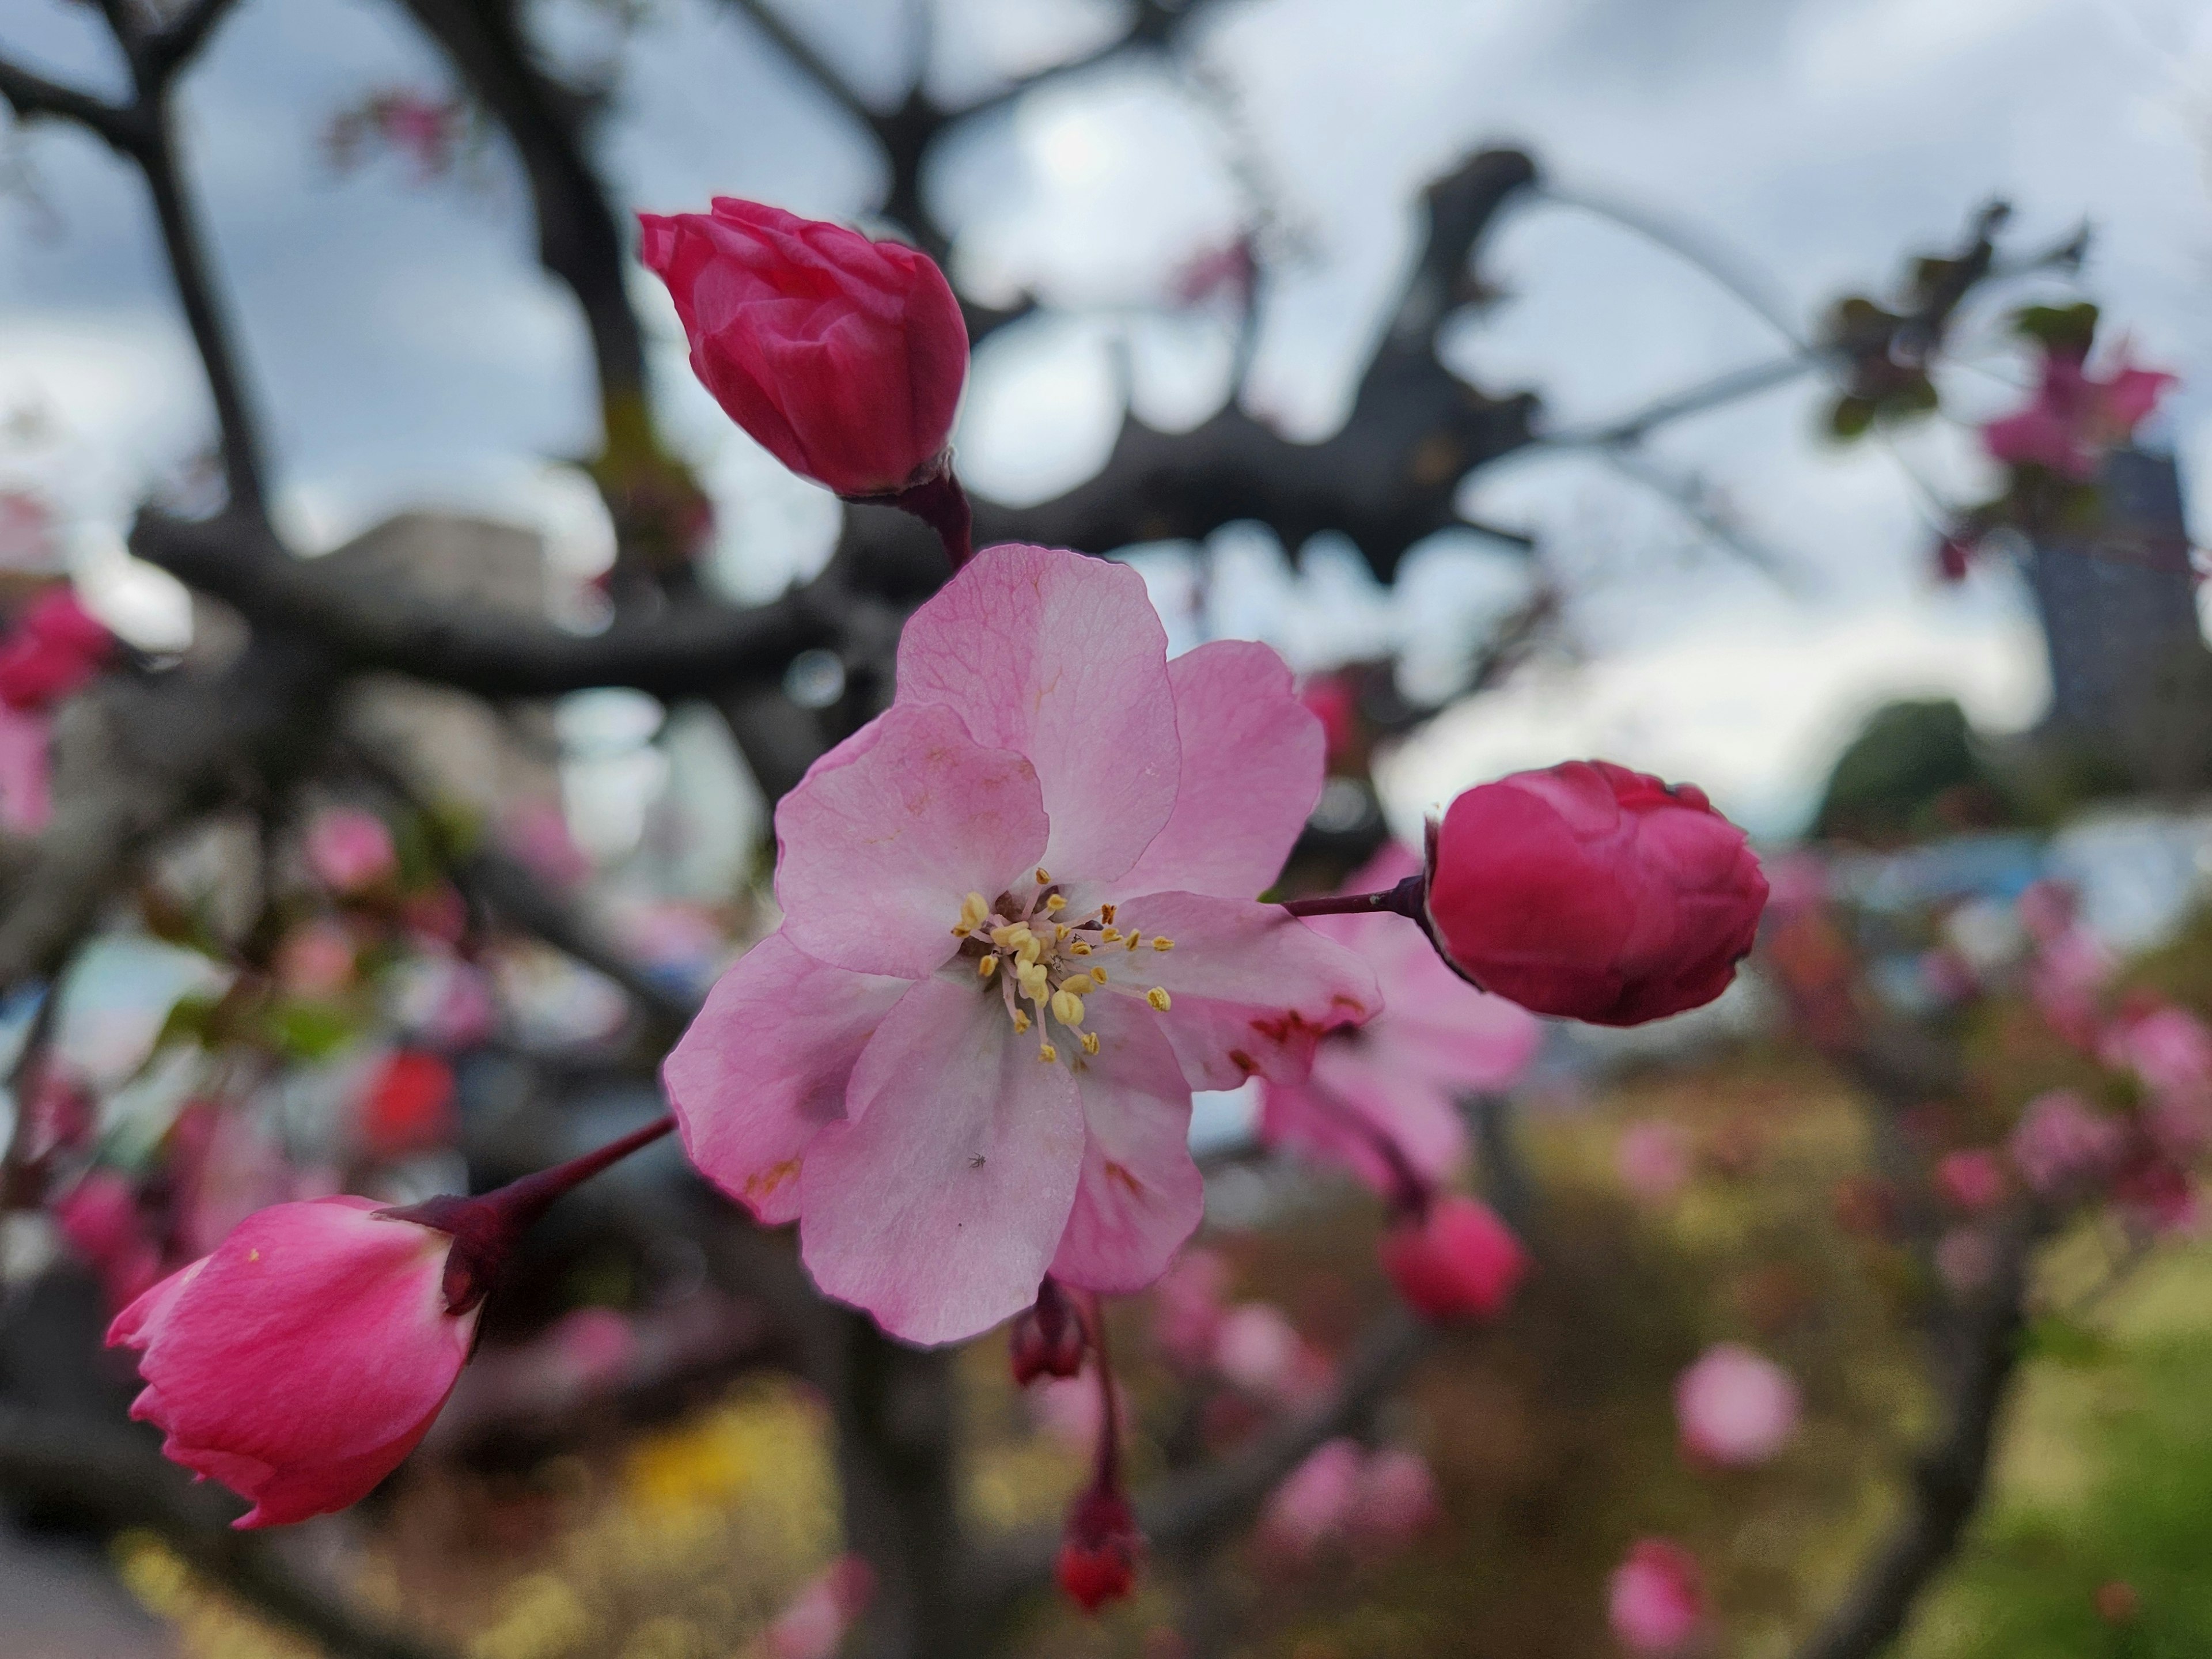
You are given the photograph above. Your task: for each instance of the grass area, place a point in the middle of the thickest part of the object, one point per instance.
(2105, 1479)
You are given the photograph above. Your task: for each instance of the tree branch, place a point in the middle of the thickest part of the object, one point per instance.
(179, 41)
(693, 648)
(33, 98)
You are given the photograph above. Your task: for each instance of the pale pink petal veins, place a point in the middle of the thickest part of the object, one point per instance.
(765, 1066)
(1251, 772)
(1140, 1196)
(1061, 658)
(876, 853)
(938, 1204)
(1251, 988)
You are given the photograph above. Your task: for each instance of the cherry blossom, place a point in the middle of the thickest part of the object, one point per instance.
(1018, 930)
(1389, 1091)
(1735, 1407)
(2077, 417)
(1655, 1600)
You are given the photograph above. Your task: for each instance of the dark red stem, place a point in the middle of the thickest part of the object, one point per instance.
(485, 1227)
(1405, 899)
(1107, 1477)
(940, 502)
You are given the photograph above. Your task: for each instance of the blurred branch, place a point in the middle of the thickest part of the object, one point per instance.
(33, 97)
(808, 62)
(693, 647)
(579, 240)
(1948, 1477)
(1695, 400)
(1690, 495)
(117, 1473)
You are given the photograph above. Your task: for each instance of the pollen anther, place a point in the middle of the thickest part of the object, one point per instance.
(1047, 1053)
(1067, 1007)
(986, 966)
(1159, 998)
(1090, 1043)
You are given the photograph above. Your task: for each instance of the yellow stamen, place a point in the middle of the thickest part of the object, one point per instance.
(987, 966)
(1043, 875)
(1097, 974)
(1163, 945)
(1030, 949)
(1021, 1021)
(1105, 912)
(1078, 949)
(1057, 901)
(1090, 1043)
(1030, 976)
(1135, 939)
(1047, 1053)
(1011, 935)
(1159, 998)
(1111, 936)
(1059, 931)
(1067, 1007)
(974, 911)
(1081, 984)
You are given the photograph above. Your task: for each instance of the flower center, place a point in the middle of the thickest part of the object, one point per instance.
(1028, 950)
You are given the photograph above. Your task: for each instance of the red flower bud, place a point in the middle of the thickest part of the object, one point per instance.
(1048, 1338)
(842, 356)
(56, 647)
(1457, 1261)
(1098, 1556)
(1592, 891)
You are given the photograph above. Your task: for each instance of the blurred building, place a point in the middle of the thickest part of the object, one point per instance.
(2131, 676)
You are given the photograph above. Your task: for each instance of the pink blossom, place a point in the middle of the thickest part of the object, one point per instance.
(55, 646)
(1652, 1160)
(1262, 1352)
(407, 1104)
(1655, 1603)
(922, 1065)
(1456, 1262)
(2070, 969)
(2061, 1142)
(350, 850)
(2047, 909)
(1972, 1181)
(814, 1626)
(1735, 1407)
(101, 1219)
(2076, 417)
(1397, 1500)
(1315, 1501)
(304, 1358)
(2169, 1048)
(1188, 1307)
(26, 771)
(1396, 1082)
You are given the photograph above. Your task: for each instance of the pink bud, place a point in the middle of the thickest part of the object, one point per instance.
(304, 1358)
(1594, 892)
(843, 357)
(1458, 1261)
(408, 1104)
(1047, 1339)
(55, 648)
(1735, 1407)
(1316, 1500)
(350, 850)
(1260, 1350)
(1972, 1181)
(1187, 1309)
(1397, 1500)
(1098, 1555)
(1656, 1601)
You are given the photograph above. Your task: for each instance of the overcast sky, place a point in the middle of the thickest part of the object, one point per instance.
(408, 352)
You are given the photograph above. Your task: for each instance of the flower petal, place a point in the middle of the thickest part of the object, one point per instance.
(1062, 657)
(1354, 1096)
(1140, 1195)
(1252, 988)
(937, 1203)
(765, 1066)
(1251, 771)
(876, 853)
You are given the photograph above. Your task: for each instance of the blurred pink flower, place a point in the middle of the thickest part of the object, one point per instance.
(26, 771)
(1316, 1500)
(2070, 969)
(1972, 1181)
(1735, 1407)
(1455, 1261)
(594, 1346)
(814, 1626)
(100, 1220)
(1655, 1600)
(536, 833)
(2169, 1048)
(1187, 1306)
(27, 534)
(1965, 1259)
(2061, 1142)
(1260, 1350)
(315, 960)
(1068, 1408)
(1652, 1160)
(55, 647)
(1396, 1082)
(350, 850)
(2076, 417)
(1397, 1500)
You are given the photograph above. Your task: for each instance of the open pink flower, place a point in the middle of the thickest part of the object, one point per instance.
(1018, 930)
(1396, 1081)
(300, 1361)
(843, 357)
(2064, 1145)
(1656, 1601)
(2076, 417)
(1735, 1407)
